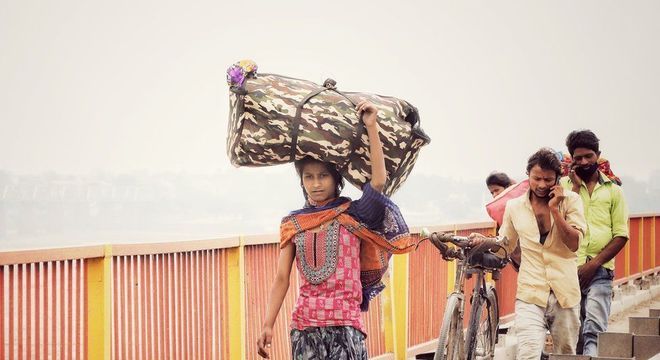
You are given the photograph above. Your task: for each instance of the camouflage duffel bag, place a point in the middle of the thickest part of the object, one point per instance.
(275, 119)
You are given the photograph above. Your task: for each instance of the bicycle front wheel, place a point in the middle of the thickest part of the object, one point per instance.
(450, 343)
(494, 313)
(482, 328)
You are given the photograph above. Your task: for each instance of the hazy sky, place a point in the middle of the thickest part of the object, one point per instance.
(140, 85)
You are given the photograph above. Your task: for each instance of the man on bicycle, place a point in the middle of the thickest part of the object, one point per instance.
(549, 225)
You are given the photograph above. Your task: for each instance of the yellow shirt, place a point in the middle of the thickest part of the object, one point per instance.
(607, 216)
(548, 266)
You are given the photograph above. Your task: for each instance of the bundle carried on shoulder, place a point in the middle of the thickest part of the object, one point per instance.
(276, 119)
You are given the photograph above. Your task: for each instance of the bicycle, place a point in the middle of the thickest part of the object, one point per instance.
(481, 335)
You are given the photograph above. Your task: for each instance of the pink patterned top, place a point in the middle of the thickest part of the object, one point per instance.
(328, 264)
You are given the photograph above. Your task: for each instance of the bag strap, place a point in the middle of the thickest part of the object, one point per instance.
(297, 120)
(359, 131)
(329, 85)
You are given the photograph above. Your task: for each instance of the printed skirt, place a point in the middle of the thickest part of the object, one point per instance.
(332, 342)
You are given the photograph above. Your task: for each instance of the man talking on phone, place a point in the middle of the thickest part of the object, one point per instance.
(549, 224)
(607, 217)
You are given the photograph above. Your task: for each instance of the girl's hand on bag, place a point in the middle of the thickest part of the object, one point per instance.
(368, 112)
(264, 341)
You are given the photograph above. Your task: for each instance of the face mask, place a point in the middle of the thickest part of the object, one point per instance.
(585, 172)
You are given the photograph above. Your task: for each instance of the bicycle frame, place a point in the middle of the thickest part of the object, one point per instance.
(463, 272)
(456, 342)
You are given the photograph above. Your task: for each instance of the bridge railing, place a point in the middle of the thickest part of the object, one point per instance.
(207, 299)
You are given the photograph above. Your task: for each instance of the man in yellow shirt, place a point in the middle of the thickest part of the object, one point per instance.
(607, 216)
(549, 224)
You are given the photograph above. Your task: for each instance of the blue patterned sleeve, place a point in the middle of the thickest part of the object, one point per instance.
(370, 208)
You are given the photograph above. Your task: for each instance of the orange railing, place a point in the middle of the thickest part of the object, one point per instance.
(168, 306)
(43, 303)
(171, 301)
(641, 255)
(206, 299)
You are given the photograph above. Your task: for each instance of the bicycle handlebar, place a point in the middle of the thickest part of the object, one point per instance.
(464, 243)
(461, 241)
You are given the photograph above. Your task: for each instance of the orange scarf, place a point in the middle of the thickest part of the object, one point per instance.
(375, 248)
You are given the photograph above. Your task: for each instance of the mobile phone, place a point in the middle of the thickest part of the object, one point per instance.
(556, 184)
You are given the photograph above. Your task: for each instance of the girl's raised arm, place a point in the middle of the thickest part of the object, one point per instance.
(368, 113)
